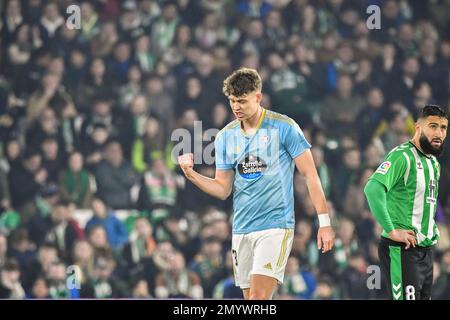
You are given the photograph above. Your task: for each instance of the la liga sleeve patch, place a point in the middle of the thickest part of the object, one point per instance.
(384, 167)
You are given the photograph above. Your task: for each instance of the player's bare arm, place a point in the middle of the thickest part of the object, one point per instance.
(305, 164)
(220, 186)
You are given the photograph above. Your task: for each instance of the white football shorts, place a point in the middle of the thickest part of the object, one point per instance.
(261, 252)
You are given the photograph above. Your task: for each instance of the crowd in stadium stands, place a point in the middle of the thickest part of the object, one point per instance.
(86, 117)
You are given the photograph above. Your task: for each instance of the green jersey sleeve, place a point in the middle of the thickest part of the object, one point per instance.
(391, 170)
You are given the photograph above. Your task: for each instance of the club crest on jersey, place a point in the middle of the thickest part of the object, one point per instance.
(419, 165)
(384, 167)
(264, 139)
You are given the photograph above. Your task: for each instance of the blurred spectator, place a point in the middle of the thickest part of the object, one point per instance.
(355, 202)
(275, 30)
(46, 256)
(94, 143)
(138, 110)
(252, 42)
(208, 264)
(346, 243)
(5, 196)
(115, 229)
(297, 283)
(145, 58)
(104, 283)
(433, 68)
(51, 159)
(12, 18)
(140, 290)
(76, 183)
(210, 31)
(303, 247)
(139, 252)
(103, 43)
(149, 146)
(3, 250)
(97, 84)
(130, 90)
(21, 248)
(441, 281)
(46, 127)
(288, 89)
(347, 173)
(369, 118)
(254, 8)
(83, 258)
(163, 29)
(141, 244)
(56, 279)
(59, 229)
(99, 241)
(322, 169)
(161, 103)
(354, 279)
(40, 289)
(115, 178)
(176, 281)
(400, 85)
(89, 20)
(40, 99)
(344, 63)
(26, 179)
(50, 22)
(397, 130)
(10, 285)
(340, 110)
(20, 51)
(193, 96)
(325, 289)
(226, 288)
(120, 62)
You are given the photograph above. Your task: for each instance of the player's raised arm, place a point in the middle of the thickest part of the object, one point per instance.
(325, 235)
(220, 186)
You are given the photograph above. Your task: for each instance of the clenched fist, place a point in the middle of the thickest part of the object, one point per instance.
(186, 162)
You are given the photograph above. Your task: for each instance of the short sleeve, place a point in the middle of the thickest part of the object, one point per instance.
(222, 161)
(294, 140)
(391, 170)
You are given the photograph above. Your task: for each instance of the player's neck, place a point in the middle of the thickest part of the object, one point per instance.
(251, 124)
(415, 141)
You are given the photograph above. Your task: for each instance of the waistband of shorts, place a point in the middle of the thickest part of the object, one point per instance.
(389, 242)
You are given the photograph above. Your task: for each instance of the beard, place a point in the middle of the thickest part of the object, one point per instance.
(428, 148)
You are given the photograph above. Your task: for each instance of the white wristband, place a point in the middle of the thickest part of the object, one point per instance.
(324, 220)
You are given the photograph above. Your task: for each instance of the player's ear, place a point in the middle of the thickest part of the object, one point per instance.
(258, 96)
(418, 125)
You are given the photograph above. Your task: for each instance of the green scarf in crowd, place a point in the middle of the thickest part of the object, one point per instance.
(77, 185)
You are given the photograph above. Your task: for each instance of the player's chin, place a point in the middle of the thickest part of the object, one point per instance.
(437, 149)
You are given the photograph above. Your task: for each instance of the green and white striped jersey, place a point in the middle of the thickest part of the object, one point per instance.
(411, 179)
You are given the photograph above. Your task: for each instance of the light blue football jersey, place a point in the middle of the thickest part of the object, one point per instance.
(263, 195)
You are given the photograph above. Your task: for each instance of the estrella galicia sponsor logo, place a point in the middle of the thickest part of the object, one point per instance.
(252, 167)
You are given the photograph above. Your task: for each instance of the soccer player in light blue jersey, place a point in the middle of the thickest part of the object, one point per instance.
(256, 156)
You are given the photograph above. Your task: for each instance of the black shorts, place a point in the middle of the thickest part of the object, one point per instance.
(406, 274)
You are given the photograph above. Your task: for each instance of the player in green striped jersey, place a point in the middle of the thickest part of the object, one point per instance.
(402, 195)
